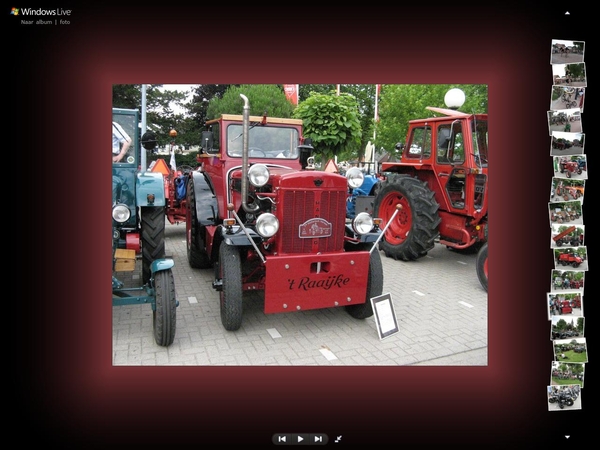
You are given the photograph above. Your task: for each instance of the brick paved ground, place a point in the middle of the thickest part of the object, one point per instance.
(440, 307)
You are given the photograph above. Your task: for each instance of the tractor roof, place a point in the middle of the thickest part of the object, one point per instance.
(264, 119)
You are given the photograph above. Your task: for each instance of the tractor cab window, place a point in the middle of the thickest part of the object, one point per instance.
(457, 147)
(479, 136)
(264, 141)
(420, 143)
(450, 143)
(443, 144)
(124, 127)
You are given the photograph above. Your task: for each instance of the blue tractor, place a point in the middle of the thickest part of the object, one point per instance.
(138, 231)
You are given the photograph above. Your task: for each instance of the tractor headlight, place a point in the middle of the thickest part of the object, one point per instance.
(121, 213)
(258, 174)
(355, 177)
(267, 225)
(363, 223)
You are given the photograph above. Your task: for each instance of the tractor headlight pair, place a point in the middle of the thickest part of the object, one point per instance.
(266, 224)
(121, 213)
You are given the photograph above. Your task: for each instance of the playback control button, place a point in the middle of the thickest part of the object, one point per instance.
(300, 439)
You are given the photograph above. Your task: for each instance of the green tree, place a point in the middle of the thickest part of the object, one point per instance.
(332, 122)
(160, 115)
(267, 99)
(202, 94)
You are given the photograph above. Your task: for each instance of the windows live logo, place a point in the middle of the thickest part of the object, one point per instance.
(40, 12)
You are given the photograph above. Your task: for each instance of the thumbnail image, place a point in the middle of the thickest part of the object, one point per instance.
(566, 327)
(566, 212)
(576, 257)
(567, 97)
(561, 280)
(565, 52)
(566, 189)
(570, 167)
(566, 305)
(573, 350)
(569, 75)
(566, 235)
(563, 398)
(567, 120)
(567, 373)
(565, 144)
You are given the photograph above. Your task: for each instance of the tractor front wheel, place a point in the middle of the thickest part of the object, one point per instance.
(413, 231)
(153, 238)
(164, 315)
(230, 271)
(482, 266)
(374, 283)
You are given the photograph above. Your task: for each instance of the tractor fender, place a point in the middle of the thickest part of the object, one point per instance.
(237, 237)
(150, 189)
(161, 264)
(207, 209)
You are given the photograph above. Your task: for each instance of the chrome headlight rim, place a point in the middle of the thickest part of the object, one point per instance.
(267, 225)
(355, 177)
(258, 175)
(362, 223)
(121, 213)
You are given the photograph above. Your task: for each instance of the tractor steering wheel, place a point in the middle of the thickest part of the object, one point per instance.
(255, 150)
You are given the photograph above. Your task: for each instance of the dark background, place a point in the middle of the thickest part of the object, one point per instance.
(64, 386)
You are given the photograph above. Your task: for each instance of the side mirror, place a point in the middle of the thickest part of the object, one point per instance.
(149, 140)
(400, 146)
(305, 151)
(207, 142)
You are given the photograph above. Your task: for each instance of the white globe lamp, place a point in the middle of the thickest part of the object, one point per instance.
(454, 98)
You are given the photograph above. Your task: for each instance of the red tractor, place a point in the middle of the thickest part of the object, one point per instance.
(569, 167)
(564, 307)
(441, 185)
(567, 192)
(261, 215)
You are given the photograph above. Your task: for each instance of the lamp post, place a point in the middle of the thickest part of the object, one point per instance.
(454, 98)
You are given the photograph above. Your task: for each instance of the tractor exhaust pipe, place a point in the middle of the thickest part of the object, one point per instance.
(245, 165)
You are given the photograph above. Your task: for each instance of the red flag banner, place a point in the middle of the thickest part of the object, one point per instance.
(291, 92)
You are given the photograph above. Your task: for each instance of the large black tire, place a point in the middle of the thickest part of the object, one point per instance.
(412, 233)
(481, 264)
(153, 238)
(230, 269)
(164, 316)
(374, 284)
(569, 402)
(197, 255)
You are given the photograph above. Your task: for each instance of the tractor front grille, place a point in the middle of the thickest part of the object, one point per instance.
(299, 206)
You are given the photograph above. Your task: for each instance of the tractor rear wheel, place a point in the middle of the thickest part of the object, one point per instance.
(230, 296)
(414, 229)
(374, 283)
(164, 316)
(197, 256)
(481, 264)
(153, 238)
